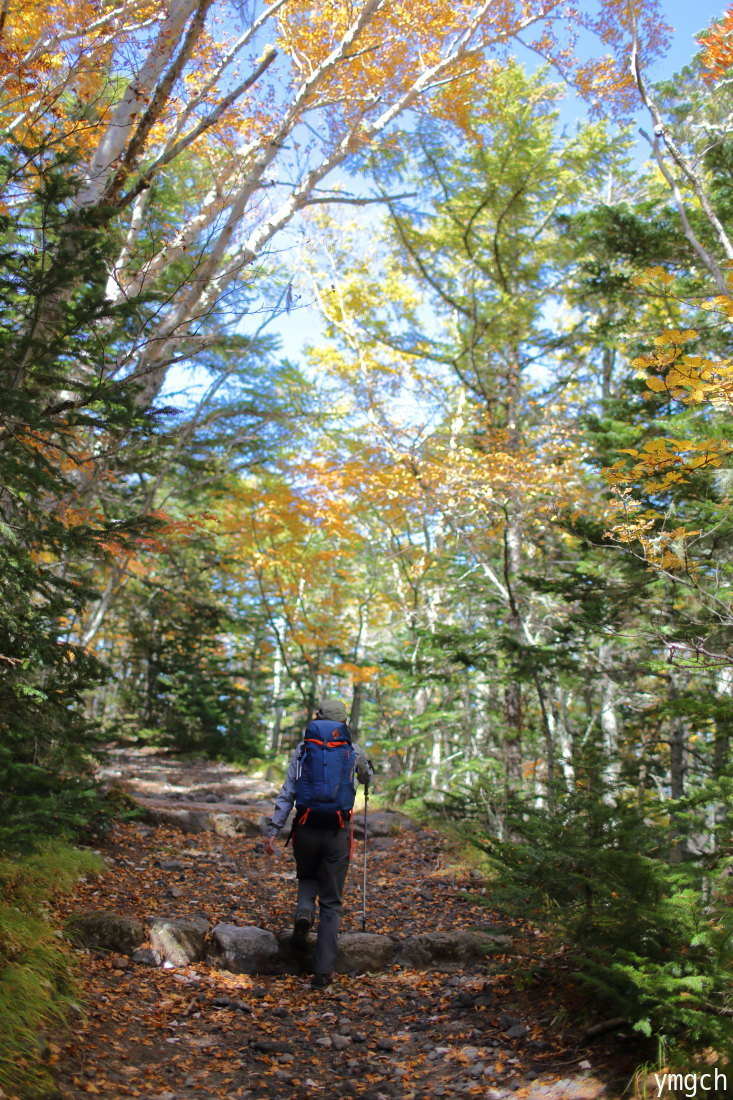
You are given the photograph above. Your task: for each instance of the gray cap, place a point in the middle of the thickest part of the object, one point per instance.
(332, 709)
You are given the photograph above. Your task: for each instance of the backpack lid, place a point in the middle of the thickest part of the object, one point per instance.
(325, 730)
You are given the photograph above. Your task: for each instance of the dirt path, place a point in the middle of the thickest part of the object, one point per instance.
(196, 1032)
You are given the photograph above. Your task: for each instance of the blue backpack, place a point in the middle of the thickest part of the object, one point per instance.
(324, 784)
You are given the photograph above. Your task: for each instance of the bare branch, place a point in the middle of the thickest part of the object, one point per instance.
(335, 197)
(708, 260)
(679, 158)
(158, 101)
(114, 140)
(205, 124)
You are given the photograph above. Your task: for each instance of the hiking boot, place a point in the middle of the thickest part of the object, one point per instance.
(303, 921)
(301, 928)
(320, 981)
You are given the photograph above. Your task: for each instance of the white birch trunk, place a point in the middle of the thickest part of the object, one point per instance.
(278, 670)
(114, 140)
(561, 737)
(610, 731)
(436, 757)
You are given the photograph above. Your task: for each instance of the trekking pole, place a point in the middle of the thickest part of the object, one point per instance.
(363, 875)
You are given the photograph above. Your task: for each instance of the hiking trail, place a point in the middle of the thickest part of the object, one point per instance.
(423, 1027)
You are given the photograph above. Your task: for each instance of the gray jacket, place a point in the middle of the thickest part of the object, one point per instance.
(286, 798)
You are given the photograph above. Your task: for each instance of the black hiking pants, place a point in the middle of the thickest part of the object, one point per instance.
(321, 863)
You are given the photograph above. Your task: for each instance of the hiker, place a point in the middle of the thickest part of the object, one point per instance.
(321, 784)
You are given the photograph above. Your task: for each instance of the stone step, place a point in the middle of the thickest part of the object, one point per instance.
(180, 941)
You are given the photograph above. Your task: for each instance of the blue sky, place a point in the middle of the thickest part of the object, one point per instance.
(688, 17)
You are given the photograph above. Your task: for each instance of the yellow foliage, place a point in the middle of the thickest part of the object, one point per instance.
(653, 276)
(359, 674)
(722, 303)
(664, 463)
(676, 337)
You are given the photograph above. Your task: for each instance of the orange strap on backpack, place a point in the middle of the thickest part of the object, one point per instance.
(328, 744)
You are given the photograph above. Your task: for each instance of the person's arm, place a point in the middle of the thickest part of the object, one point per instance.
(283, 803)
(364, 769)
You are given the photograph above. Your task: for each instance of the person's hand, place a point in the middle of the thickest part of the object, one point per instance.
(270, 846)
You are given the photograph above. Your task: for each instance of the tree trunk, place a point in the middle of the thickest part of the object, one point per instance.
(607, 364)
(512, 736)
(562, 736)
(355, 713)
(278, 671)
(436, 756)
(723, 722)
(677, 772)
(609, 729)
(548, 730)
(512, 690)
